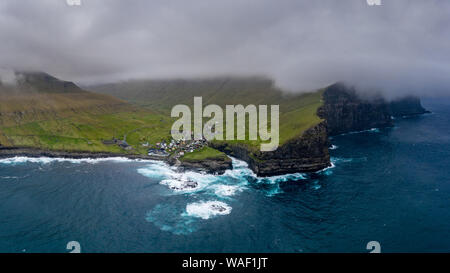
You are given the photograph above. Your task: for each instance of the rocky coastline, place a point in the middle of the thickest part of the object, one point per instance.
(7, 152)
(216, 166)
(212, 166)
(343, 111)
(307, 153)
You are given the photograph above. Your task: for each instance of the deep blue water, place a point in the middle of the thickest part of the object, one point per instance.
(390, 185)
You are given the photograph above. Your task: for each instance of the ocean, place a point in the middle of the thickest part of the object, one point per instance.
(387, 185)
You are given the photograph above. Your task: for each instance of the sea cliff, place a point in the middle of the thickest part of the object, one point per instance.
(343, 111)
(58, 119)
(407, 106)
(306, 153)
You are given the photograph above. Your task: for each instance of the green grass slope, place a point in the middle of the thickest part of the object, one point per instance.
(205, 153)
(47, 113)
(44, 112)
(297, 111)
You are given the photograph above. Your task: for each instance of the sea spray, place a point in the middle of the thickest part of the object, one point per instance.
(207, 209)
(48, 160)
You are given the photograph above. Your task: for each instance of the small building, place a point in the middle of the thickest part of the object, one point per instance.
(123, 144)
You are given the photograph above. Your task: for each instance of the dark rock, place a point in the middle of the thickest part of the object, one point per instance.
(213, 166)
(307, 153)
(32, 152)
(218, 208)
(186, 185)
(407, 106)
(345, 111)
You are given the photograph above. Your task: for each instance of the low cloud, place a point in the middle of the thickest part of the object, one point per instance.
(400, 47)
(8, 77)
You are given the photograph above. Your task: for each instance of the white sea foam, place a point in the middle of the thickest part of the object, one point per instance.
(157, 169)
(207, 209)
(328, 170)
(182, 181)
(282, 178)
(185, 220)
(347, 160)
(333, 147)
(372, 130)
(190, 181)
(226, 190)
(226, 185)
(47, 160)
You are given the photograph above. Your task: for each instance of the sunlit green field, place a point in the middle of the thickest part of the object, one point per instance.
(298, 112)
(80, 120)
(85, 132)
(296, 116)
(202, 154)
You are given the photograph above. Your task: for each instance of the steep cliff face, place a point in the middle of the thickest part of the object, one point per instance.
(306, 153)
(407, 106)
(345, 111)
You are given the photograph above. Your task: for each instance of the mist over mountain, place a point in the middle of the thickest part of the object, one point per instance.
(401, 47)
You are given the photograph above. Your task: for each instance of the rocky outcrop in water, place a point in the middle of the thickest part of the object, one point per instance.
(213, 166)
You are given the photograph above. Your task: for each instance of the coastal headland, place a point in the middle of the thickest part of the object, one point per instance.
(45, 116)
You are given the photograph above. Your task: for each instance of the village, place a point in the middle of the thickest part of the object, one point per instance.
(177, 148)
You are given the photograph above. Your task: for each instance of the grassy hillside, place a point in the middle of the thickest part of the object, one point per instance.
(297, 111)
(43, 112)
(47, 113)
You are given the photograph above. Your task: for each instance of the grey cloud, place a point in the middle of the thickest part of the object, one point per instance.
(8, 76)
(400, 47)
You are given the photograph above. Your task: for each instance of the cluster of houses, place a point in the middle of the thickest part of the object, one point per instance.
(179, 147)
(163, 149)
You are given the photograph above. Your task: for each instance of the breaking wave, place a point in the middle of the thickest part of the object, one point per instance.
(207, 209)
(217, 191)
(226, 190)
(333, 147)
(48, 160)
(226, 185)
(372, 130)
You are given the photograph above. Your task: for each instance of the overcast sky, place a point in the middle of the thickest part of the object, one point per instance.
(401, 46)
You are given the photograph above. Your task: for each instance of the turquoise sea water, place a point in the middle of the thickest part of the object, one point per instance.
(387, 185)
